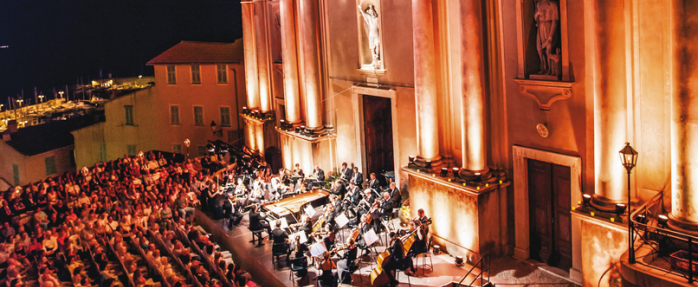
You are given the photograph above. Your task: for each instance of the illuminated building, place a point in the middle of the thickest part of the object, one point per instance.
(531, 100)
(196, 85)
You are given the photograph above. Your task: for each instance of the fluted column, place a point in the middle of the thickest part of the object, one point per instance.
(262, 53)
(425, 79)
(290, 62)
(684, 122)
(248, 39)
(473, 75)
(312, 84)
(608, 64)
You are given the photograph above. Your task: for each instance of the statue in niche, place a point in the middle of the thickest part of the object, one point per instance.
(547, 21)
(371, 24)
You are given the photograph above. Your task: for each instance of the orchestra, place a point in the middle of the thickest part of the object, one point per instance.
(366, 210)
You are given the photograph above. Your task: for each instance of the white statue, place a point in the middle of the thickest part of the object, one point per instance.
(371, 20)
(547, 21)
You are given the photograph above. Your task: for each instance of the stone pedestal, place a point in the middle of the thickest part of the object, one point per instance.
(603, 243)
(308, 151)
(466, 219)
(259, 133)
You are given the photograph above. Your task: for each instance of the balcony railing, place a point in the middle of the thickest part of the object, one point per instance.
(661, 240)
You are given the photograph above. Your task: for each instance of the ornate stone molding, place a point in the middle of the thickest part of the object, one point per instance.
(545, 93)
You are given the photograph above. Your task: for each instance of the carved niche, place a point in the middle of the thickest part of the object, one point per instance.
(370, 33)
(543, 60)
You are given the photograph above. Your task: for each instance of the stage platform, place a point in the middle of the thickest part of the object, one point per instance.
(258, 260)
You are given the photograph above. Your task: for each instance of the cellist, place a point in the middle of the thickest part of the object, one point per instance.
(398, 260)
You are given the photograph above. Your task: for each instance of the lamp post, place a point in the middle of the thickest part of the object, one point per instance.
(628, 157)
(187, 142)
(216, 131)
(61, 93)
(41, 98)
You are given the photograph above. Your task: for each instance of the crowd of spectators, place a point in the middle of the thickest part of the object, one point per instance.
(126, 222)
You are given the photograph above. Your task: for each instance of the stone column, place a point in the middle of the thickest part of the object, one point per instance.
(684, 122)
(310, 47)
(262, 53)
(425, 80)
(608, 66)
(473, 76)
(290, 62)
(248, 38)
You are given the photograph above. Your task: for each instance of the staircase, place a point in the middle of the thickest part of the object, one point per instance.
(477, 276)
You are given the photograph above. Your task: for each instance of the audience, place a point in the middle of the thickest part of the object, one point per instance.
(67, 229)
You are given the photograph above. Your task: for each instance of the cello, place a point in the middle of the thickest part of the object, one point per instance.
(378, 275)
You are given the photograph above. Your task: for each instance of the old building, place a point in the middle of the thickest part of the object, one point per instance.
(195, 97)
(530, 101)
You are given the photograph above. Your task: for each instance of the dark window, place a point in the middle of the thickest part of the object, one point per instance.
(225, 116)
(129, 115)
(198, 116)
(195, 74)
(171, 76)
(222, 74)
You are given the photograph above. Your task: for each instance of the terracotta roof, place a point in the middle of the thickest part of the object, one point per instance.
(188, 52)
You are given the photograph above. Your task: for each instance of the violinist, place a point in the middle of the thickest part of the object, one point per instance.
(232, 211)
(326, 279)
(363, 227)
(345, 264)
(306, 225)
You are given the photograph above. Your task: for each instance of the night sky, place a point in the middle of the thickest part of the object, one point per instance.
(53, 43)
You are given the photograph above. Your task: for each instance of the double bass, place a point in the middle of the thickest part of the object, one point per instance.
(378, 273)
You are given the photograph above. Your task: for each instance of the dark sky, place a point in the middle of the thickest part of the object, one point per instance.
(52, 43)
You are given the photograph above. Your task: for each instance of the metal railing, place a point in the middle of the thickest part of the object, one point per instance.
(484, 265)
(644, 225)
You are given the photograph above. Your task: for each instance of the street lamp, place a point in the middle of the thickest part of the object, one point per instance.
(187, 142)
(628, 157)
(216, 131)
(41, 98)
(61, 93)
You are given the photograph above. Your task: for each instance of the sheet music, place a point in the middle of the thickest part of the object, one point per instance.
(309, 210)
(301, 234)
(284, 223)
(317, 249)
(341, 220)
(370, 237)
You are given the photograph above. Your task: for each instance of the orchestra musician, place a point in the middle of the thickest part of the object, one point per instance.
(367, 202)
(357, 178)
(346, 172)
(319, 174)
(240, 188)
(257, 223)
(351, 200)
(420, 244)
(338, 188)
(324, 264)
(278, 188)
(297, 171)
(395, 194)
(374, 183)
(399, 260)
(346, 263)
(232, 211)
(387, 205)
(215, 200)
(363, 227)
(280, 239)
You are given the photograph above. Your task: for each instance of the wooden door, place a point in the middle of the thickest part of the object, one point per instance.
(540, 211)
(562, 218)
(378, 134)
(549, 212)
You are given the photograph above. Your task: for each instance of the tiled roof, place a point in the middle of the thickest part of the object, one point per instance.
(188, 52)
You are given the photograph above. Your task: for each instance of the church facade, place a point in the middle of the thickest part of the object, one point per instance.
(496, 117)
